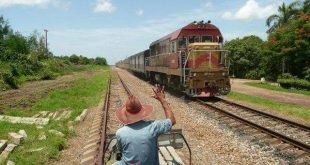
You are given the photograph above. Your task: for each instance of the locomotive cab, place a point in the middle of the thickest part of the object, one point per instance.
(206, 70)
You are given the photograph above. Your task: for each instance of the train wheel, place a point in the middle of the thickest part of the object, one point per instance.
(224, 90)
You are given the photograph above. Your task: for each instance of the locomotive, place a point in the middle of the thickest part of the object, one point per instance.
(191, 59)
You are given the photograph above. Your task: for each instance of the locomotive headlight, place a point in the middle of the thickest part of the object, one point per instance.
(224, 74)
(195, 74)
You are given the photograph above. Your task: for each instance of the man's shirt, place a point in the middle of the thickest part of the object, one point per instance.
(138, 141)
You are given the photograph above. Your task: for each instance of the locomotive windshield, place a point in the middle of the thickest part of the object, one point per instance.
(192, 39)
(206, 38)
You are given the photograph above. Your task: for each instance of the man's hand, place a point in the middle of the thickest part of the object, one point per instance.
(160, 95)
(159, 92)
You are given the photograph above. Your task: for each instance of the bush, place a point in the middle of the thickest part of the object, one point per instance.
(14, 71)
(10, 80)
(307, 74)
(47, 75)
(294, 83)
(254, 74)
(286, 76)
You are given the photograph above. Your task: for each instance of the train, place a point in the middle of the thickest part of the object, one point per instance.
(191, 58)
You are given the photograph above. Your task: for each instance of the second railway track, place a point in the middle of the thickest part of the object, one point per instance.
(283, 134)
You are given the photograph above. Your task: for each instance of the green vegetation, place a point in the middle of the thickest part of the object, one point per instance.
(287, 49)
(26, 59)
(294, 83)
(245, 57)
(277, 88)
(293, 110)
(85, 93)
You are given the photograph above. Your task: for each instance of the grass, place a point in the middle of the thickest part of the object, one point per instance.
(23, 155)
(85, 93)
(293, 110)
(277, 88)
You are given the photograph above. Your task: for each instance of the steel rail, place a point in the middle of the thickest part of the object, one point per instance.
(270, 132)
(125, 86)
(103, 132)
(292, 123)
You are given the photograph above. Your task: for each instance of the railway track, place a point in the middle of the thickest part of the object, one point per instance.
(281, 133)
(94, 149)
(103, 135)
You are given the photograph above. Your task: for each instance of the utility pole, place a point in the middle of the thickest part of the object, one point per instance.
(45, 30)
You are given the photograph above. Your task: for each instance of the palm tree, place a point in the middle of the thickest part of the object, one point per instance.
(285, 14)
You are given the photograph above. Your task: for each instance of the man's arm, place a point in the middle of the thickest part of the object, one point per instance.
(160, 96)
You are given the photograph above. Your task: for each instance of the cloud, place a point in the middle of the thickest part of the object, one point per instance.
(8, 3)
(140, 12)
(208, 4)
(41, 3)
(227, 15)
(104, 6)
(251, 10)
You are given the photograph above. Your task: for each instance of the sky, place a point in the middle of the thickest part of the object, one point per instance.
(116, 29)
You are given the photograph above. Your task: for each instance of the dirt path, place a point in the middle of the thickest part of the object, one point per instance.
(291, 98)
(30, 92)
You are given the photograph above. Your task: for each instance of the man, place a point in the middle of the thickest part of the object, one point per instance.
(137, 139)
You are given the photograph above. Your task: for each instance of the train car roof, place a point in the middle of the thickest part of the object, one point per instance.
(192, 26)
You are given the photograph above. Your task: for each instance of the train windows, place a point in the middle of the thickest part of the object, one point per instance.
(182, 42)
(173, 46)
(206, 38)
(192, 39)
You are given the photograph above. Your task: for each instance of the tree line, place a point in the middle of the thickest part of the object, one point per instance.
(285, 54)
(25, 58)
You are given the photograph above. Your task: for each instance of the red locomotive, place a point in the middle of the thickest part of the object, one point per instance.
(191, 58)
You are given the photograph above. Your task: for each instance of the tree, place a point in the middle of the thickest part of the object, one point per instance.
(4, 27)
(4, 30)
(100, 61)
(245, 56)
(289, 47)
(285, 14)
(306, 6)
(74, 59)
(84, 60)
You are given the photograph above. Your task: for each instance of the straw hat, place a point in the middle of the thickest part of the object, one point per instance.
(133, 111)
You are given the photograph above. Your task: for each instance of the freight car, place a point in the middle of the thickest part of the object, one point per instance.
(191, 58)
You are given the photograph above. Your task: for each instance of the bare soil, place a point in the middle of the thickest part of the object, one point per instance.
(291, 98)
